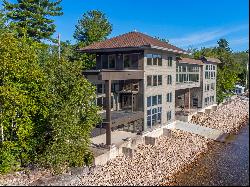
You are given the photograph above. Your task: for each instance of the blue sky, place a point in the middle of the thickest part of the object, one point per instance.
(185, 23)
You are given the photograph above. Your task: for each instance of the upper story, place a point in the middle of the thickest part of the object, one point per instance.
(130, 55)
(135, 55)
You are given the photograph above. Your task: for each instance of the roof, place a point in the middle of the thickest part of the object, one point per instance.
(189, 61)
(209, 59)
(132, 40)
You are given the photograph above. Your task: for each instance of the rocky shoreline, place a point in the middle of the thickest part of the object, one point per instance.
(150, 165)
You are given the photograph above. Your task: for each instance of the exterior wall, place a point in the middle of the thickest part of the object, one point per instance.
(163, 70)
(209, 93)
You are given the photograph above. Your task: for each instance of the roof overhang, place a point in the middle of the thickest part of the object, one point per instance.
(131, 49)
(169, 50)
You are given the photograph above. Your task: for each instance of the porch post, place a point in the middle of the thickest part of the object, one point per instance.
(108, 111)
(184, 101)
(132, 103)
(189, 98)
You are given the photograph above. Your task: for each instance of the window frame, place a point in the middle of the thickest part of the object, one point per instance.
(113, 55)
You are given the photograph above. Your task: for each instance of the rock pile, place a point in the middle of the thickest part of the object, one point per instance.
(150, 164)
(228, 118)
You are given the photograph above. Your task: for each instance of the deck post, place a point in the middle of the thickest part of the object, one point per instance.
(108, 111)
(189, 100)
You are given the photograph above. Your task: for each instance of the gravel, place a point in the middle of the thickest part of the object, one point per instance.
(228, 118)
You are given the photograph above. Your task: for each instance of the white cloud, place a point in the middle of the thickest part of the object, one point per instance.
(208, 36)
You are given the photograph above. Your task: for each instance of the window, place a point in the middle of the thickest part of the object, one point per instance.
(169, 116)
(207, 87)
(149, 80)
(159, 99)
(206, 67)
(206, 75)
(155, 57)
(154, 114)
(169, 97)
(111, 61)
(169, 79)
(212, 86)
(206, 100)
(149, 59)
(154, 100)
(99, 89)
(126, 61)
(159, 80)
(104, 59)
(155, 80)
(212, 99)
(159, 60)
(149, 118)
(170, 59)
(159, 114)
(213, 67)
(149, 101)
(130, 60)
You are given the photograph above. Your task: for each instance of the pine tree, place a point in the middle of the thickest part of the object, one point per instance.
(93, 27)
(33, 16)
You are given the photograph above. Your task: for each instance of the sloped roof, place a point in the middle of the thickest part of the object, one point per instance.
(209, 59)
(189, 61)
(132, 40)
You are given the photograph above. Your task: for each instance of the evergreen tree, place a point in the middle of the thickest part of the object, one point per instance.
(33, 16)
(93, 27)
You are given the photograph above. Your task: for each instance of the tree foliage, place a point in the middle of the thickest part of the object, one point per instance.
(46, 107)
(93, 27)
(228, 73)
(34, 16)
(22, 99)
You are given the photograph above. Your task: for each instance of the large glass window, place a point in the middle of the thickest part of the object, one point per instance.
(111, 61)
(155, 110)
(130, 60)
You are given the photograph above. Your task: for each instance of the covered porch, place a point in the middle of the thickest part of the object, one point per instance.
(120, 96)
(187, 102)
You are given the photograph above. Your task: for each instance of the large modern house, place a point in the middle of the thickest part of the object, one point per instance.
(143, 83)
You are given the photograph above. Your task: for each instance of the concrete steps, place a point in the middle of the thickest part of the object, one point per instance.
(206, 132)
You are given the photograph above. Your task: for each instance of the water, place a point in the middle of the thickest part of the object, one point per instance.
(226, 164)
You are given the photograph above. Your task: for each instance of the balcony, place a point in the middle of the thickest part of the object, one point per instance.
(187, 84)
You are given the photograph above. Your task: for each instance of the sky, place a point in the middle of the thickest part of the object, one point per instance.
(185, 23)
